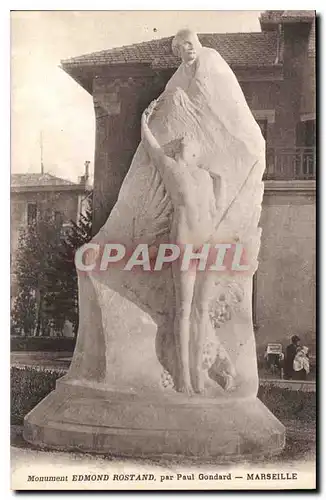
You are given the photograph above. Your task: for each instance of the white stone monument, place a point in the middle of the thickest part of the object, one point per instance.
(165, 361)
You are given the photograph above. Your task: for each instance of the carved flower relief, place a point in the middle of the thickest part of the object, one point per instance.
(166, 379)
(228, 297)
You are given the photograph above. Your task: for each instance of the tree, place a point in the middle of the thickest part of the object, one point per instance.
(62, 297)
(37, 243)
(46, 276)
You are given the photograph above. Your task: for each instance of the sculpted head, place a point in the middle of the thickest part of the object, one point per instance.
(186, 45)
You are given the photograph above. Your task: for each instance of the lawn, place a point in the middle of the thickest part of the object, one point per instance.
(295, 409)
(29, 386)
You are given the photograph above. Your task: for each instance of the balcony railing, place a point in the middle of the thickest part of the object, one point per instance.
(290, 164)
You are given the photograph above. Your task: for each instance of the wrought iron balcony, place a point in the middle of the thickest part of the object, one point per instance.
(290, 164)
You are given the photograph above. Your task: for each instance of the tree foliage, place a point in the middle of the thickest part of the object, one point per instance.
(45, 274)
(62, 300)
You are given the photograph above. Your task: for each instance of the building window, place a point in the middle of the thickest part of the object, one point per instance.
(58, 218)
(306, 134)
(264, 118)
(263, 126)
(66, 229)
(306, 144)
(31, 213)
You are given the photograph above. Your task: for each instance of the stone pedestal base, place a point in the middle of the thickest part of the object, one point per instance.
(90, 420)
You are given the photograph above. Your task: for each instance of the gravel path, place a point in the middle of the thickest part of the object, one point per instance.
(300, 447)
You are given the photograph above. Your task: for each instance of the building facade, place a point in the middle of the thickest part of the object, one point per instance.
(36, 194)
(276, 70)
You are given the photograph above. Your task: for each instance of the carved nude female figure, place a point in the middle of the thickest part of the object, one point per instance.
(195, 215)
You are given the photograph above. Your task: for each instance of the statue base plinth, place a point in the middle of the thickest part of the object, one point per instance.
(77, 418)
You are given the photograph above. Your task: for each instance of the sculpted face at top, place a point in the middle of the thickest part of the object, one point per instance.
(186, 45)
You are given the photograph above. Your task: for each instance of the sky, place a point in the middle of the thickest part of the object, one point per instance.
(48, 103)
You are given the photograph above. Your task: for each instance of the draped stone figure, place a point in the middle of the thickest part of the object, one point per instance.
(202, 104)
(127, 349)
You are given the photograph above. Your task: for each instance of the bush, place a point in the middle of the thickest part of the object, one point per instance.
(29, 386)
(289, 405)
(45, 344)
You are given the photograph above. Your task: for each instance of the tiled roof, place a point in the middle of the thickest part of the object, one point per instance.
(35, 179)
(298, 14)
(270, 18)
(271, 15)
(276, 16)
(238, 49)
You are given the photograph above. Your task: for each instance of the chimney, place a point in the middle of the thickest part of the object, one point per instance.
(87, 163)
(83, 179)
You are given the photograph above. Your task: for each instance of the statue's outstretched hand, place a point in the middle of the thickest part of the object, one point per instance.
(151, 107)
(148, 111)
(145, 130)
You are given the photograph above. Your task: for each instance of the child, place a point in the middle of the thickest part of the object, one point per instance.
(301, 364)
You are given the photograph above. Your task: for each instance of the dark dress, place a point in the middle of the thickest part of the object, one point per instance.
(300, 375)
(291, 351)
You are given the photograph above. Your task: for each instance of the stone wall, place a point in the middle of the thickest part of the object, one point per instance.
(118, 104)
(285, 288)
(308, 97)
(291, 89)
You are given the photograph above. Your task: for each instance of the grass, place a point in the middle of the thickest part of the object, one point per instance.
(295, 409)
(43, 344)
(289, 405)
(29, 386)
